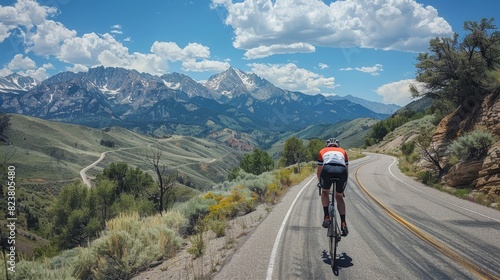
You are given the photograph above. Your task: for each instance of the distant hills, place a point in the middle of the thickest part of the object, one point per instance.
(176, 104)
(51, 154)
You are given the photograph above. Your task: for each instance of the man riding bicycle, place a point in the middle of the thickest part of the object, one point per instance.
(333, 163)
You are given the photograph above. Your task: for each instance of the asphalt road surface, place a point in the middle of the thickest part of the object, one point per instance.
(398, 229)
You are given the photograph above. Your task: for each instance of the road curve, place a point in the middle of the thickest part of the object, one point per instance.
(291, 244)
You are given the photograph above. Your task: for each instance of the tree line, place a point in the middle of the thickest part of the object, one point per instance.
(295, 151)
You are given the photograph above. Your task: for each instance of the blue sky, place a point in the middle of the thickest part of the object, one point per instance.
(365, 48)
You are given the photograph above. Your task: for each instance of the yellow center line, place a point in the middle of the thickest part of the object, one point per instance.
(425, 237)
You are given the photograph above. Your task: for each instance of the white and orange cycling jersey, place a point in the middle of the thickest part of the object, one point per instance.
(333, 156)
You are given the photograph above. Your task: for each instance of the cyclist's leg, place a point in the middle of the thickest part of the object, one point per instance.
(339, 197)
(325, 192)
(326, 185)
(341, 173)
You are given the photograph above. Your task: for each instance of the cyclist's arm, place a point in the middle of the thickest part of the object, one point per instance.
(318, 172)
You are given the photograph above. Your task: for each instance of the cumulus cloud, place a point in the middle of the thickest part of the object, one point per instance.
(48, 38)
(265, 51)
(19, 62)
(25, 66)
(372, 70)
(398, 92)
(290, 77)
(204, 65)
(403, 25)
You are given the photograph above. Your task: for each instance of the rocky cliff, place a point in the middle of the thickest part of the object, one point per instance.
(483, 175)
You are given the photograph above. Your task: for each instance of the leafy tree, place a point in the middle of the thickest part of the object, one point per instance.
(454, 69)
(293, 152)
(71, 216)
(138, 182)
(234, 173)
(117, 172)
(313, 148)
(407, 148)
(102, 196)
(257, 162)
(379, 131)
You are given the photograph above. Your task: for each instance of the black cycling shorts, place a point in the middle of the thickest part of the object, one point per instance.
(334, 171)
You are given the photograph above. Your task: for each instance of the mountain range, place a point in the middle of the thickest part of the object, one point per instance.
(174, 103)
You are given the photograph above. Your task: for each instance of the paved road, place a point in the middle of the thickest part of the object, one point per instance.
(399, 229)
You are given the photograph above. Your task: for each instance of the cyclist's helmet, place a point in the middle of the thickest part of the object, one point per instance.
(332, 142)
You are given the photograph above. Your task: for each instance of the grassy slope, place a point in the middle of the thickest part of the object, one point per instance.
(48, 155)
(51, 151)
(393, 141)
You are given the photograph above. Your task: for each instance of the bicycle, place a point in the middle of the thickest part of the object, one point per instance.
(333, 230)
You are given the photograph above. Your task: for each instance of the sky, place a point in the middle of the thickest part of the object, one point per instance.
(364, 48)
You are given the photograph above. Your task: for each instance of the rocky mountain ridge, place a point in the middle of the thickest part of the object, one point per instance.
(175, 103)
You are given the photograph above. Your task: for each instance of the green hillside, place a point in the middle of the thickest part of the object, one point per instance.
(45, 152)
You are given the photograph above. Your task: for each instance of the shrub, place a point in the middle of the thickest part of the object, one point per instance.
(130, 244)
(193, 210)
(39, 271)
(197, 242)
(426, 177)
(230, 204)
(218, 226)
(407, 148)
(472, 146)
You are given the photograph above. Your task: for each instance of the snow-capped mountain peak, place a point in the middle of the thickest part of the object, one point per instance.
(15, 82)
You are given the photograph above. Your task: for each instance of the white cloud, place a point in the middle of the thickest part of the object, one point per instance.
(26, 13)
(172, 52)
(323, 66)
(403, 25)
(204, 65)
(25, 66)
(372, 70)
(290, 77)
(49, 38)
(77, 68)
(86, 49)
(21, 63)
(398, 92)
(39, 74)
(265, 51)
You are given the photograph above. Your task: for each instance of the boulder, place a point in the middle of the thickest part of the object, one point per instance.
(463, 174)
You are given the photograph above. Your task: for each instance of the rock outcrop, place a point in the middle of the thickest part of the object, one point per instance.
(484, 175)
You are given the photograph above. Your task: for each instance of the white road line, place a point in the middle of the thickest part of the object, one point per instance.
(463, 208)
(280, 233)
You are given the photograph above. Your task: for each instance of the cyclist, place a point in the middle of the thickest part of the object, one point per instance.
(333, 162)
